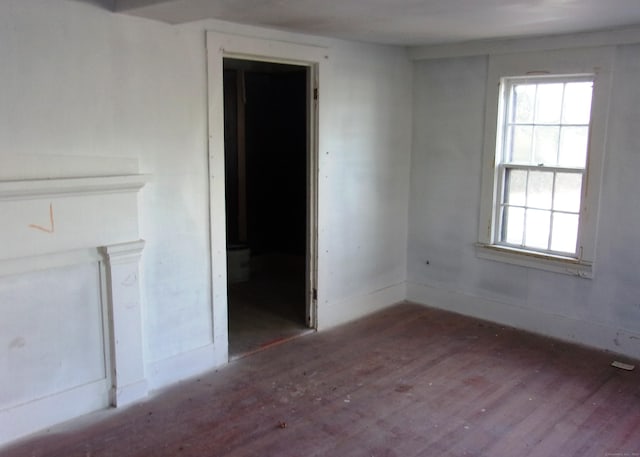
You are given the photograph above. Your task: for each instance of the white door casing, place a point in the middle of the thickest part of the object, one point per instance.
(220, 46)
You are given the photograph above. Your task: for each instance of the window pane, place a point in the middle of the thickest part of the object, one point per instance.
(537, 229)
(516, 187)
(520, 148)
(573, 146)
(565, 233)
(568, 192)
(524, 96)
(513, 225)
(577, 103)
(539, 189)
(545, 145)
(549, 103)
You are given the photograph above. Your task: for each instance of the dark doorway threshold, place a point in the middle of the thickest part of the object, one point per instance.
(266, 310)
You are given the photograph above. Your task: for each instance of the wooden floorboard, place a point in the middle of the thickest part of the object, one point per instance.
(408, 381)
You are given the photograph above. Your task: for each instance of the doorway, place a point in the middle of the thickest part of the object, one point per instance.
(266, 118)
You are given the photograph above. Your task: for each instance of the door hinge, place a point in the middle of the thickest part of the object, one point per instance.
(315, 93)
(315, 294)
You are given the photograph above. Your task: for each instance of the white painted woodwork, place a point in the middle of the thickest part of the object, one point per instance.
(38, 360)
(53, 351)
(591, 333)
(597, 61)
(315, 58)
(53, 215)
(71, 328)
(125, 322)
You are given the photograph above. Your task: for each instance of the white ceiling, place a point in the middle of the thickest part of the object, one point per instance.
(402, 22)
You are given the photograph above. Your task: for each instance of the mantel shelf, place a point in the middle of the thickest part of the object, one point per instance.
(37, 188)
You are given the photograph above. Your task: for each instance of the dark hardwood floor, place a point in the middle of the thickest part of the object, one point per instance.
(408, 381)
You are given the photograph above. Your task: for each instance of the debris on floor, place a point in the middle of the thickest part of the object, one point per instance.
(622, 365)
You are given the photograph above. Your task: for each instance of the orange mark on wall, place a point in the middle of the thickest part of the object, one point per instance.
(51, 227)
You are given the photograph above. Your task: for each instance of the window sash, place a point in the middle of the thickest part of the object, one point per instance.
(503, 204)
(507, 116)
(506, 163)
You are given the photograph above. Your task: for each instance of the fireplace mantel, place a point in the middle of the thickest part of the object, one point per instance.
(42, 216)
(34, 188)
(79, 237)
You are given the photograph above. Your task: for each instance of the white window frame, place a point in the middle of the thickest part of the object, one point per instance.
(585, 61)
(505, 105)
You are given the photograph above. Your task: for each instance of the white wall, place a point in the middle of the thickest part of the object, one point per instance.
(78, 80)
(363, 182)
(604, 312)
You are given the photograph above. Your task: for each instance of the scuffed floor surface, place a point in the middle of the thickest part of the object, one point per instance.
(409, 381)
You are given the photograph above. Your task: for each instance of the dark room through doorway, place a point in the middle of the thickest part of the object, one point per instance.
(266, 166)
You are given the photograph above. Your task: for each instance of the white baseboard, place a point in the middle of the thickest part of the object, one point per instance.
(123, 396)
(182, 366)
(593, 334)
(37, 415)
(332, 314)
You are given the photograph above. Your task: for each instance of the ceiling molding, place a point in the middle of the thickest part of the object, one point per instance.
(544, 43)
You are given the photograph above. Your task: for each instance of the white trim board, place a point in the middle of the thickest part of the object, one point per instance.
(597, 62)
(337, 313)
(220, 46)
(516, 45)
(37, 188)
(593, 334)
(37, 415)
(23, 265)
(185, 365)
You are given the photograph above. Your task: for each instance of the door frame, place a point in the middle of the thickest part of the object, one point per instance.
(220, 46)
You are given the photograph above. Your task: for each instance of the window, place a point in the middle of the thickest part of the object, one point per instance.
(542, 155)
(544, 146)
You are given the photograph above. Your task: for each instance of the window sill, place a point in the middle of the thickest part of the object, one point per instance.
(556, 264)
